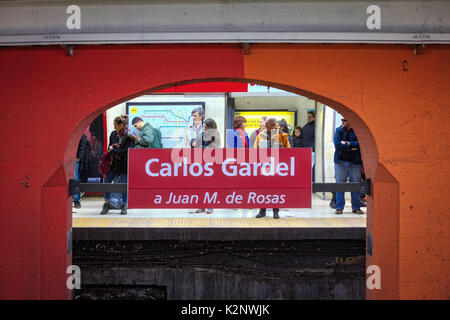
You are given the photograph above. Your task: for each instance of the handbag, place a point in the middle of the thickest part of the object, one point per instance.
(105, 164)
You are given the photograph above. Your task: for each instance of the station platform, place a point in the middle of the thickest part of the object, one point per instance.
(320, 222)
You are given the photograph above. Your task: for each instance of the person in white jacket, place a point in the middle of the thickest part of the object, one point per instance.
(262, 126)
(194, 129)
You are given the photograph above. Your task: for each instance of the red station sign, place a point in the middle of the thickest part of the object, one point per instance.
(219, 178)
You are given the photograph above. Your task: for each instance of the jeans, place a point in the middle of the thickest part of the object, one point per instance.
(123, 178)
(342, 171)
(78, 168)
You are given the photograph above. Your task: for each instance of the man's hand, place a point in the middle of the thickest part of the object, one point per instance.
(133, 137)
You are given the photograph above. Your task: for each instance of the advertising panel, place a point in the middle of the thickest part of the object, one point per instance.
(94, 134)
(219, 178)
(253, 117)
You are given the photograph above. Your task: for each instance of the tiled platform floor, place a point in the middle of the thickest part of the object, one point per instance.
(321, 215)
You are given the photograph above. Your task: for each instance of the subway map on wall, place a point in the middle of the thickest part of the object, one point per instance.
(170, 117)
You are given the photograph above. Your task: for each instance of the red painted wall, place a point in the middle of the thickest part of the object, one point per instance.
(48, 99)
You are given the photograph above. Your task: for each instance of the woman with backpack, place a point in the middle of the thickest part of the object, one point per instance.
(119, 143)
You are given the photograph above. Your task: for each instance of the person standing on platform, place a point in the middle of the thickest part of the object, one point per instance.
(119, 143)
(309, 138)
(237, 137)
(297, 138)
(262, 126)
(191, 131)
(148, 137)
(271, 137)
(210, 138)
(284, 128)
(83, 152)
(347, 164)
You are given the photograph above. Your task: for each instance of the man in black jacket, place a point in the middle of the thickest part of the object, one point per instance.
(309, 137)
(309, 132)
(347, 164)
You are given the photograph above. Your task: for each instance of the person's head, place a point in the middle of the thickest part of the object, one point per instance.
(239, 122)
(197, 115)
(124, 118)
(345, 123)
(271, 124)
(262, 123)
(210, 127)
(283, 126)
(297, 131)
(311, 116)
(209, 124)
(138, 123)
(119, 123)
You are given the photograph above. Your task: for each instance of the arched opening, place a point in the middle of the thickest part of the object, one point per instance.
(369, 152)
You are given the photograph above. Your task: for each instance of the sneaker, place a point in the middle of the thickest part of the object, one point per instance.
(275, 215)
(358, 211)
(105, 209)
(261, 214)
(77, 204)
(123, 209)
(338, 211)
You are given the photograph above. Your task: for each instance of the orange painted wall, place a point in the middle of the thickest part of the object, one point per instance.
(408, 114)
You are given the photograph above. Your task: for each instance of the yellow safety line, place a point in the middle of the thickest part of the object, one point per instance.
(209, 222)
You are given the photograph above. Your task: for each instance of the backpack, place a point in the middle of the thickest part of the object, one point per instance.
(157, 140)
(116, 198)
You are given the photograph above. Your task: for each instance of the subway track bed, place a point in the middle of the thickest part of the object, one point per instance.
(161, 254)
